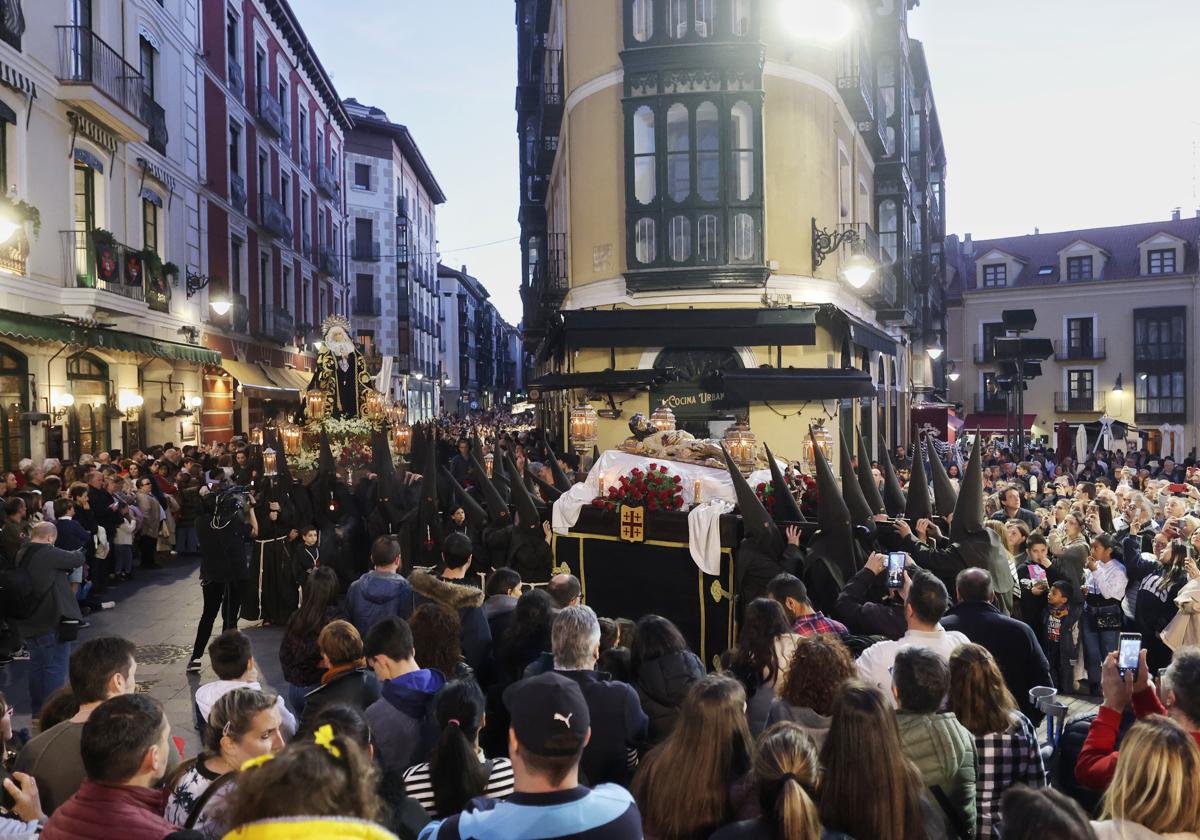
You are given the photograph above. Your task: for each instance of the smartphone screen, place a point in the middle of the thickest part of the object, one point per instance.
(1130, 647)
(1032, 484)
(1036, 572)
(896, 561)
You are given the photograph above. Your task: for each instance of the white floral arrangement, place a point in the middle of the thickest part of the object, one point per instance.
(348, 427)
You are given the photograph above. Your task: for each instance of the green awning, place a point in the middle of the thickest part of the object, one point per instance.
(37, 328)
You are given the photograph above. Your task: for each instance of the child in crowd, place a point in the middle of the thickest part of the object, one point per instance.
(123, 542)
(306, 555)
(1060, 634)
(232, 660)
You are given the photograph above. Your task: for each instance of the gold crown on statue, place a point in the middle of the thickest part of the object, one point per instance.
(335, 321)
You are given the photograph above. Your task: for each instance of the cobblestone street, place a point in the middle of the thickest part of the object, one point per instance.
(158, 610)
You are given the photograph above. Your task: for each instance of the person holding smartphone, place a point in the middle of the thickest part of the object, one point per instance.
(1104, 581)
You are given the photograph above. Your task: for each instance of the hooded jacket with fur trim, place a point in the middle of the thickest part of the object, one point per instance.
(468, 601)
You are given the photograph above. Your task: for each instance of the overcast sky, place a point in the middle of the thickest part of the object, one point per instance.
(1057, 114)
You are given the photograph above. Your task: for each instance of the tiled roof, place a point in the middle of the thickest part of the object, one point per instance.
(1040, 250)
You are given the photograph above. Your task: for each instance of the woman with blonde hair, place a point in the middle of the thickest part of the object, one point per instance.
(684, 788)
(1154, 793)
(784, 775)
(1005, 741)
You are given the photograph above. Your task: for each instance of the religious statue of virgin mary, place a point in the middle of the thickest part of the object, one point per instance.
(341, 372)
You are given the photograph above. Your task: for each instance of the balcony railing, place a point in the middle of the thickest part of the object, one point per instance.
(116, 268)
(1067, 403)
(856, 79)
(991, 403)
(1160, 406)
(237, 192)
(364, 250)
(985, 354)
(239, 314)
(270, 112)
(1066, 351)
(328, 261)
(327, 180)
(277, 325)
(366, 307)
(882, 290)
(154, 116)
(1160, 351)
(306, 244)
(85, 58)
(275, 218)
(235, 78)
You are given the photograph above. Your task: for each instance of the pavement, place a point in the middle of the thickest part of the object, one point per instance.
(158, 610)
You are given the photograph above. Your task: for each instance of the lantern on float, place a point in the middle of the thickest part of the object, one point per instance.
(742, 445)
(373, 405)
(824, 443)
(583, 427)
(256, 436)
(663, 419)
(291, 439)
(489, 461)
(314, 400)
(270, 463)
(402, 438)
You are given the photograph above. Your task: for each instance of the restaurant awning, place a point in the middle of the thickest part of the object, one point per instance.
(290, 378)
(616, 380)
(693, 328)
(39, 328)
(860, 332)
(252, 377)
(794, 384)
(986, 422)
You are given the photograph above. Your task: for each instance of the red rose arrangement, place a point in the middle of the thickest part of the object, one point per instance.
(799, 484)
(654, 488)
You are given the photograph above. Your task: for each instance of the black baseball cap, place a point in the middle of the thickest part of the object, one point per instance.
(548, 714)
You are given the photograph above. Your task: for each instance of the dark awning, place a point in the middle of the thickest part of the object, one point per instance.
(795, 384)
(37, 328)
(7, 114)
(603, 379)
(861, 332)
(698, 328)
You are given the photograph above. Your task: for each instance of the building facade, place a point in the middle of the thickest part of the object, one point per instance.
(271, 131)
(99, 344)
(751, 166)
(393, 199)
(1118, 304)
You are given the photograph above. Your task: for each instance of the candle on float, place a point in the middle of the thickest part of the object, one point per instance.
(601, 485)
(696, 491)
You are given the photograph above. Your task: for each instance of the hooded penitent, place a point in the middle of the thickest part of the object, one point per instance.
(477, 517)
(894, 500)
(832, 551)
(968, 510)
(866, 478)
(860, 511)
(323, 483)
(497, 509)
(944, 495)
(786, 509)
(756, 522)
(561, 482)
(549, 492)
(526, 509)
(429, 520)
(919, 506)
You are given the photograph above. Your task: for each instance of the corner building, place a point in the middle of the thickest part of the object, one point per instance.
(680, 161)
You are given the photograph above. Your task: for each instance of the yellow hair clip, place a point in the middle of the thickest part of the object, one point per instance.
(324, 737)
(256, 762)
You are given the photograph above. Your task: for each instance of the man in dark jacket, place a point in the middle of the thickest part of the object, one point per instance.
(54, 604)
(221, 533)
(1012, 643)
(618, 723)
(866, 606)
(346, 681)
(382, 591)
(450, 589)
(403, 726)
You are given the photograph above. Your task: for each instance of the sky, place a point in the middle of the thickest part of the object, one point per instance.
(1057, 114)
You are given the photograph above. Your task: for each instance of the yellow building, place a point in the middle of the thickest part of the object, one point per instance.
(1116, 303)
(697, 176)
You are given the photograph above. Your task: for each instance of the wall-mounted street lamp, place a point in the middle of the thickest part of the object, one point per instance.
(823, 22)
(858, 270)
(1118, 388)
(935, 350)
(952, 372)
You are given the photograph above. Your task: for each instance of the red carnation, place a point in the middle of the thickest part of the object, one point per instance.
(653, 467)
(651, 505)
(597, 502)
(679, 501)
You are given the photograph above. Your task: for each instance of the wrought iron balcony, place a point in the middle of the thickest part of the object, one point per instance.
(546, 151)
(328, 261)
(882, 291)
(116, 268)
(154, 116)
(235, 79)
(856, 79)
(306, 244)
(277, 325)
(270, 113)
(1066, 351)
(364, 250)
(327, 180)
(991, 403)
(237, 192)
(99, 79)
(304, 159)
(274, 217)
(239, 314)
(985, 354)
(1068, 403)
(366, 307)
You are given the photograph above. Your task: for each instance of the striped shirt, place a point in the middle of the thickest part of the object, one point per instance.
(419, 785)
(606, 812)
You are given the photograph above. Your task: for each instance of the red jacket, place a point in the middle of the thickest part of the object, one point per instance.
(93, 811)
(1097, 762)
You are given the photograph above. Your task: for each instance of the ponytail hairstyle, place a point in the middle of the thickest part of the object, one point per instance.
(455, 771)
(232, 715)
(785, 775)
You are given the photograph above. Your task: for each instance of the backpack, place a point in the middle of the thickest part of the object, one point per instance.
(18, 597)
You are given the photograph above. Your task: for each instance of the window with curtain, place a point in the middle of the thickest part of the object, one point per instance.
(742, 150)
(149, 225)
(642, 20)
(677, 19)
(741, 23)
(679, 165)
(889, 230)
(644, 169)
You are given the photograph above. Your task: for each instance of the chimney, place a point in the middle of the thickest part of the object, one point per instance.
(1036, 230)
(968, 247)
(1175, 214)
(464, 268)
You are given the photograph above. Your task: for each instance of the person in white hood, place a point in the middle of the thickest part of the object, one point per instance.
(232, 660)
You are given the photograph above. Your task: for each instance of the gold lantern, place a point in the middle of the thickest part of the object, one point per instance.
(291, 439)
(397, 413)
(583, 427)
(824, 443)
(314, 399)
(663, 419)
(373, 405)
(742, 445)
(256, 436)
(489, 461)
(402, 437)
(270, 463)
